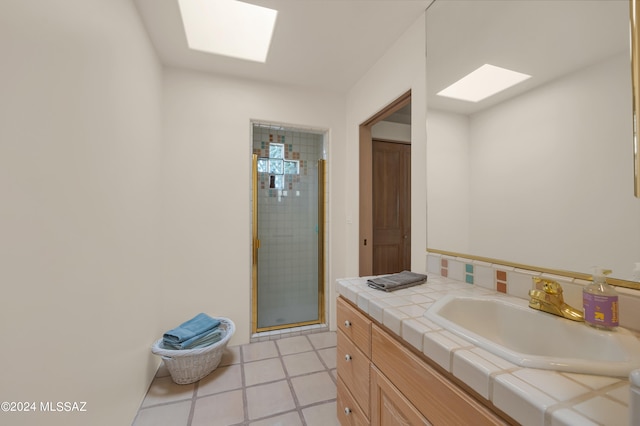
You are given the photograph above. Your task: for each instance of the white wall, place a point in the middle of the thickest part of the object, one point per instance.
(79, 183)
(448, 181)
(401, 69)
(207, 178)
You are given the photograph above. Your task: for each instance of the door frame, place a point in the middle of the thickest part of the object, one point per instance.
(365, 242)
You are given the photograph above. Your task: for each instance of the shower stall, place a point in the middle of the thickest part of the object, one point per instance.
(288, 203)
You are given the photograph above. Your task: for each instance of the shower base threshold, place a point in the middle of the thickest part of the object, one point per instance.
(288, 332)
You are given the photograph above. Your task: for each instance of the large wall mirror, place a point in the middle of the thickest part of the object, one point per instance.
(542, 173)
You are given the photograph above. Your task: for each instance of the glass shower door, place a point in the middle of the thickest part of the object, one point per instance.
(288, 228)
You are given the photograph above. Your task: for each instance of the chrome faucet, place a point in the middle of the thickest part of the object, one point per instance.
(547, 297)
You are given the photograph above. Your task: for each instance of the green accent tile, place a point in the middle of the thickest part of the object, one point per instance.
(468, 268)
(469, 279)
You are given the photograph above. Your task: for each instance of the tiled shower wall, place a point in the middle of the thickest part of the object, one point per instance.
(517, 282)
(288, 229)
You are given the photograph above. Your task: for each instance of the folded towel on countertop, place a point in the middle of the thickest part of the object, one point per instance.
(196, 327)
(397, 281)
(199, 341)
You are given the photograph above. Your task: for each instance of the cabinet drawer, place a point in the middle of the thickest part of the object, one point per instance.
(349, 413)
(353, 369)
(354, 325)
(434, 395)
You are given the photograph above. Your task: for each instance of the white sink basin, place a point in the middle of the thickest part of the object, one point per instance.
(508, 328)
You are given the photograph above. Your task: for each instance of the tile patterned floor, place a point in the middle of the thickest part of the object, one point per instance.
(285, 382)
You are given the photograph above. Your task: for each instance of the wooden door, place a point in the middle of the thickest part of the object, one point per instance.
(391, 207)
(389, 407)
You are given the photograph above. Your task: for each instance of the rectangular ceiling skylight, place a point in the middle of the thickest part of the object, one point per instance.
(228, 27)
(482, 83)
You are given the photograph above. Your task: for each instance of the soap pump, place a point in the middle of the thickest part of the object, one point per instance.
(600, 302)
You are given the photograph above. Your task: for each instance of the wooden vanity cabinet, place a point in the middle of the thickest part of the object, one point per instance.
(383, 383)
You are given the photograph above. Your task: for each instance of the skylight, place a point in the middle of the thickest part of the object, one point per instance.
(482, 83)
(228, 27)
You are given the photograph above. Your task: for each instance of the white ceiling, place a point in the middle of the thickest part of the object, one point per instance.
(319, 44)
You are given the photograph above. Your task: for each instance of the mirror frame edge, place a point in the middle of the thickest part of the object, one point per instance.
(634, 18)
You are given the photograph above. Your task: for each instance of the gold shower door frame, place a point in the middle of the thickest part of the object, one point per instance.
(255, 247)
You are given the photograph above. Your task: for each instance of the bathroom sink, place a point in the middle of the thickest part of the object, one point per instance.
(508, 328)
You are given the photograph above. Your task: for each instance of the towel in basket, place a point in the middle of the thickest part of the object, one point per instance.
(190, 365)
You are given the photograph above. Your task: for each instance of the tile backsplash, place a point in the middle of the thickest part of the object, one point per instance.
(517, 282)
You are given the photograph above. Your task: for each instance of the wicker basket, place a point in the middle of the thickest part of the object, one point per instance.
(190, 365)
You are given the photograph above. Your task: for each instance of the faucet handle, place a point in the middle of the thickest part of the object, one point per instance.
(548, 286)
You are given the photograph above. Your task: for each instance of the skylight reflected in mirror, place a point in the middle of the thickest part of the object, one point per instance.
(483, 83)
(228, 27)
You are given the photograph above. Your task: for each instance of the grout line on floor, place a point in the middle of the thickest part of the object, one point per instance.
(193, 403)
(291, 389)
(243, 380)
(242, 362)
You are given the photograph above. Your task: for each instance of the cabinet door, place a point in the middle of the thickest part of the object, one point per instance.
(389, 407)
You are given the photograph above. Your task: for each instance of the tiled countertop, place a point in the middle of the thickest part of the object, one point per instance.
(530, 396)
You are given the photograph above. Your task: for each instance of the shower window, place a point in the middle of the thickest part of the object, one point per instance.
(291, 167)
(276, 150)
(277, 167)
(263, 165)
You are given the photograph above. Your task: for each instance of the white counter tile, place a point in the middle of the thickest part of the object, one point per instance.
(494, 359)
(363, 300)
(433, 263)
(439, 346)
(523, 402)
(594, 382)
(415, 311)
(568, 417)
(456, 269)
(474, 370)
(376, 309)
(413, 331)
(419, 298)
(484, 276)
(392, 318)
(520, 283)
(552, 383)
(603, 410)
(621, 393)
